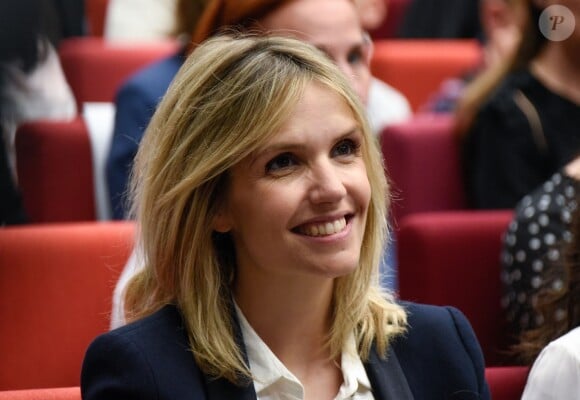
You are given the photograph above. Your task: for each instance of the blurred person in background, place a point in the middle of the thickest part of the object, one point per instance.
(332, 25)
(32, 83)
(552, 340)
(502, 23)
(140, 20)
(518, 122)
(533, 248)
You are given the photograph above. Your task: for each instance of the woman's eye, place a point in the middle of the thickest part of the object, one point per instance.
(345, 148)
(355, 57)
(279, 162)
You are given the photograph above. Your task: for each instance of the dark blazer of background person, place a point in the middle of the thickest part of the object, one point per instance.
(151, 358)
(135, 101)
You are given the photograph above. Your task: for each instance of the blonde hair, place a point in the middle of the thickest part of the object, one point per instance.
(228, 99)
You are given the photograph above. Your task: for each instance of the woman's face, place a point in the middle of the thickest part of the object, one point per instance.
(298, 206)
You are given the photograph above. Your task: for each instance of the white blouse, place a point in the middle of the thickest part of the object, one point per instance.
(555, 374)
(273, 381)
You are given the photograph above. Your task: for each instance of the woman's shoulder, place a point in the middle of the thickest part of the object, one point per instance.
(501, 99)
(166, 322)
(567, 344)
(554, 374)
(440, 347)
(142, 358)
(444, 329)
(424, 315)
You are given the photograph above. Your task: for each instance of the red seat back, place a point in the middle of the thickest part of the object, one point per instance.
(56, 286)
(69, 393)
(423, 164)
(453, 258)
(418, 67)
(506, 383)
(55, 172)
(95, 69)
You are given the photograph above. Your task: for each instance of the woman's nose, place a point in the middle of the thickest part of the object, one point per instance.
(327, 184)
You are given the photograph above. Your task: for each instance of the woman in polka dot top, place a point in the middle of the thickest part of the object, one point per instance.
(538, 246)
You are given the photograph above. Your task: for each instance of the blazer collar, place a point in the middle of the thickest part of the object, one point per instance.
(385, 374)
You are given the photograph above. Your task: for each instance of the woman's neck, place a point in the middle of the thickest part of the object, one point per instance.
(293, 318)
(559, 71)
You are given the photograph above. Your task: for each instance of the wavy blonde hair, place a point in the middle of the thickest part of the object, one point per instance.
(228, 99)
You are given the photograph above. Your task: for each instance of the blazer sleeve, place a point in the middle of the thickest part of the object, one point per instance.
(472, 348)
(134, 109)
(440, 355)
(115, 369)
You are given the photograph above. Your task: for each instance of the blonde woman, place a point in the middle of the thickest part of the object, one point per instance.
(261, 201)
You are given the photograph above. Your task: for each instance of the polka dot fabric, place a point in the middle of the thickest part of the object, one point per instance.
(533, 246)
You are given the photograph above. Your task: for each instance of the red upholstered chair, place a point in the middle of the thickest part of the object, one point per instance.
(423, 163)
(69, 393)
(55, 171)
(418, 67)
(56, 286)
(95, 69)
(506, 383)
(452, 258)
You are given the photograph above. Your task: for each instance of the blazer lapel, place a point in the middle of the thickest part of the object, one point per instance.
(221, 388)
(387, 377)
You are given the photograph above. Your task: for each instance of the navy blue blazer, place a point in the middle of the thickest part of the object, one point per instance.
(439, 358)
(135, 104)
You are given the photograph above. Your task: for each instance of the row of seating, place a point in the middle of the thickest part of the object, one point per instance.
(95, 68)
(66, 273)
(56, 285)
(437, 252)
(56, 159)
(55, 168)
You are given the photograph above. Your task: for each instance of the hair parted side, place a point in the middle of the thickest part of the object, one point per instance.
(232, 95)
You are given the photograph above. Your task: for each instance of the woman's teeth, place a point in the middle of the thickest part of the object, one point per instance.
(325, 229)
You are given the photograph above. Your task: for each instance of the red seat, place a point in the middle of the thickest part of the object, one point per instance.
(418, 67)
(506, 383)
(95, 69)
(56, 286)
(452, 258)
(423, 164)
(55, 172)
(70, 393)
